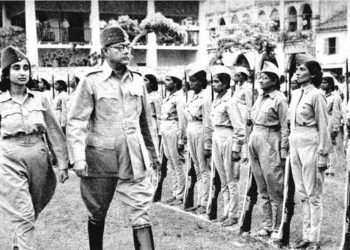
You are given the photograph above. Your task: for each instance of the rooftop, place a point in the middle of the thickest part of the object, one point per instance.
(336, 22)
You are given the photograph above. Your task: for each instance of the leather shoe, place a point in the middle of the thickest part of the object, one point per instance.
(302, 244)
(313, 246)
(263, 233)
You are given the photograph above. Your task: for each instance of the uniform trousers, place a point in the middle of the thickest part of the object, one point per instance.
(170, 136)
(308, 179)
(195, 137)
(264, 156)
(27, 184)
(227, 169)
(137, 195)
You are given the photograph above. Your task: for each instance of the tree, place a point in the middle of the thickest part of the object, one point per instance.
(13, 35)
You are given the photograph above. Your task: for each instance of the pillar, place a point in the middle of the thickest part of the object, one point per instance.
(6, 22)
(202, 53)
(151, 53)
(31, 33)
(95, 27)
(282, 16)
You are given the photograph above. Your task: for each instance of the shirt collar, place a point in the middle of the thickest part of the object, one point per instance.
(107, 72)
(272, 94)
(6, 96)
(307, 88)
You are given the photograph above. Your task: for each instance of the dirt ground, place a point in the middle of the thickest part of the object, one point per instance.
(63, 223)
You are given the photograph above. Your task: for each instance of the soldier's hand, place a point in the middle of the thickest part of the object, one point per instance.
(155, 165)
(180, 148)
(63, 175)
(235, 156)
(249, 122)
(207, 153)
(80, 168)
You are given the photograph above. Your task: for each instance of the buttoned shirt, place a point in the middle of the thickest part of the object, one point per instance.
(197, 107)
(334, 110)
(155, 101)
(244, 95)
(58, 101)
(110, 114)
(34, 115)
(308, 108)
(225, 112)
(270, 110)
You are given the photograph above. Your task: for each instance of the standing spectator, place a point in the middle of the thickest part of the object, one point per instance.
(65, 30)
(61, 88)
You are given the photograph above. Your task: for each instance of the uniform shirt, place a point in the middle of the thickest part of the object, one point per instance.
(172, 109)
(197, 107)
(57, 106)
(270, 110)
(33, 116)
(334, 110)
(224, 112)
(109, 113)
(155, 101)
(243, 94)
(308, 108)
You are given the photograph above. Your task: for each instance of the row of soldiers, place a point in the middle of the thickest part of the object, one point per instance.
(208, 126)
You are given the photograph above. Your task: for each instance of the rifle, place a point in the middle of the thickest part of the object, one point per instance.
(189, 185)
(346, 235)
(251, 196)
(163, 172)
(288, 205)
(215, 188)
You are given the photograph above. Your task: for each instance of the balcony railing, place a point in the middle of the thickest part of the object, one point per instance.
(64, 35)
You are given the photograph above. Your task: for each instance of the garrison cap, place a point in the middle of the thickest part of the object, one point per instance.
(303, 58)
(195, 68)
(10, 55)
(219, 69)
(176, 73)
(241, 69)
(113, 34)
(270, 67)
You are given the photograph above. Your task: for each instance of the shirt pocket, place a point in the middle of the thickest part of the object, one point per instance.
(11, 120)
(108, 104)
(34, 115)
(134, 101)
(305, 113)
(220, 114)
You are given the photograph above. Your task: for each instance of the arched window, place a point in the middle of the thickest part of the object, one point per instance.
(261, 15)
(307, 14)
(234, 19)
(275, 18)
(246, 19)
(292, 18)
(222, 22)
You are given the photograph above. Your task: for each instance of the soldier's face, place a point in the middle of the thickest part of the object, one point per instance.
(265, 81)
(195, 85)
(324, 84)
(169, 84)
(118, 53)
(218, 86)
(19, 72)
(302, 74)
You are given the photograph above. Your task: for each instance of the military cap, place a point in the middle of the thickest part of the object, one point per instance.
(10, 55)
(194, 68)
(270, 67)
(241, 69)
(219, 69)
(113, 34)
(175, 73)
(303, 58)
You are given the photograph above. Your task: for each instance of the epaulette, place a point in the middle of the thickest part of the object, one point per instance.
(94, 71)
(135, 72)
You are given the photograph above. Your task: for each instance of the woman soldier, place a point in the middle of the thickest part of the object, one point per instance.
(61, 88)
(196, 111)
(334, 110)
(172, 134)
(226, 122)
(155, 101)
(309, 147)
(267, 148)
(27, 178)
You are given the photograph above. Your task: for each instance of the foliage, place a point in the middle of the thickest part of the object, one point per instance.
(13, 35)
(158, 23)
(246, 37)
(131, 26)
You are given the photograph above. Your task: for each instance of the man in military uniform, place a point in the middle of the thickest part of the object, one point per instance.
(109, 136)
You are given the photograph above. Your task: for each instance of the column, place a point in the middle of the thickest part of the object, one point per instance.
(95, 27)
(282, 16)
(202, 53)
(6, 22)
(151, 53)
(31, 33)
(348, 31)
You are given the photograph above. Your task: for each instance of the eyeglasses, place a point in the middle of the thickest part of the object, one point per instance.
(121, 47)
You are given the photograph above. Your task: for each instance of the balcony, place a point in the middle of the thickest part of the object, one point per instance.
(64, 35)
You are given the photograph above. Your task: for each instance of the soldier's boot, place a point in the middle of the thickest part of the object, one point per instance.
(95, 230)
(143, 238)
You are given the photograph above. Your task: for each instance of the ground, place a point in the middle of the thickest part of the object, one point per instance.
(63, 223)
